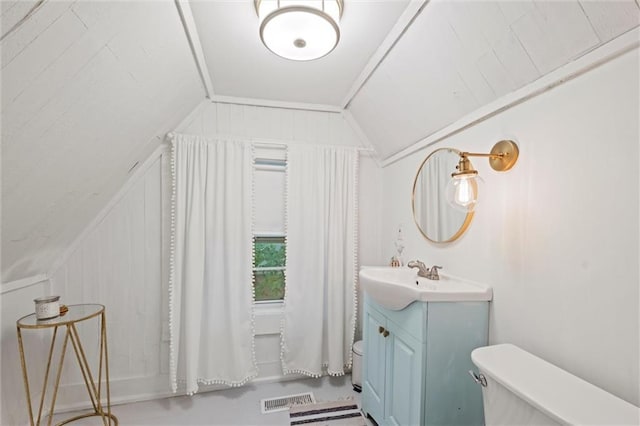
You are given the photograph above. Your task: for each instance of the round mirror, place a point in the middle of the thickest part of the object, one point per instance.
(438, 221)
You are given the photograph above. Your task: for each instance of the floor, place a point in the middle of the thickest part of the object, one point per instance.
(235, 406)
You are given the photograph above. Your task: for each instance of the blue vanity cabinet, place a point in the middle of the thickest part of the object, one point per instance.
(393, 364)
(404, 377)
(374, 363)
(416, 360)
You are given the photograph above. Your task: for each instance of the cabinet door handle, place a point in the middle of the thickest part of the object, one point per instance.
(385, 333)
(380, 329)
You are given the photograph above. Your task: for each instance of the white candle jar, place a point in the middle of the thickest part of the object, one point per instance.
(47, 307)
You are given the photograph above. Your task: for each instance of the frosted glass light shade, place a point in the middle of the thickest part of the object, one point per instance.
(300, 30)
(462, 192)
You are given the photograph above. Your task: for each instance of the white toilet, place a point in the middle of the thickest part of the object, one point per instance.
(522, 389)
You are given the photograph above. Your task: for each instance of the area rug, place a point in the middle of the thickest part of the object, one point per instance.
(327, 413)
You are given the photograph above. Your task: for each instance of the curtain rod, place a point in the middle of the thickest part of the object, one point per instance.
(273, 144)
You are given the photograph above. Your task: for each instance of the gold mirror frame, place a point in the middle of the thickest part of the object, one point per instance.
(469, 216)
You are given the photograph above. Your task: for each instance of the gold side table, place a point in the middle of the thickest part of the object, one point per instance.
(76, 314)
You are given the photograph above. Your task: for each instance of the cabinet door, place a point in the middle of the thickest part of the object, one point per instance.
(374, 360)
(404, 378)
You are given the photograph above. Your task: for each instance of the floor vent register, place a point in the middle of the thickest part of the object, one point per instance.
(282, 403)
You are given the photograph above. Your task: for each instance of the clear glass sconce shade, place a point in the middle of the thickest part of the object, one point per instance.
(462, 192)
(300, 30)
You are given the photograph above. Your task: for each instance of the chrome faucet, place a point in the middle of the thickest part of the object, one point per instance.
(423, 271)
(433, 273)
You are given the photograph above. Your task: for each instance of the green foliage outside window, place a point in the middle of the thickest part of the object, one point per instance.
(269, 285)
(270, 252)
(268, 273)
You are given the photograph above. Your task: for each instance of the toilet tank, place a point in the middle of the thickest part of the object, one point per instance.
(522, 389)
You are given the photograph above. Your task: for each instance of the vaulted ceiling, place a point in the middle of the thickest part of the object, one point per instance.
(90, 88)
(240, 66)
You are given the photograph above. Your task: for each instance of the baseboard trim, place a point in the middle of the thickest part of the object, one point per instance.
(73, 397)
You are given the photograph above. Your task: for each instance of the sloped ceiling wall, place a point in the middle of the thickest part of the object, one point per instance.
(458, 56)
(88, 90)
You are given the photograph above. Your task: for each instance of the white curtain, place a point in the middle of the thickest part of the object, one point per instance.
(211, 296)
(320, 301)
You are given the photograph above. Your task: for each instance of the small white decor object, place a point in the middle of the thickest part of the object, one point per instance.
(47, 307)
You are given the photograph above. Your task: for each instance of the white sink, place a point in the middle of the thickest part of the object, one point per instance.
(396, 288)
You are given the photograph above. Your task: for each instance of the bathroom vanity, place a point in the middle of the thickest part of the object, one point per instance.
(417, 357)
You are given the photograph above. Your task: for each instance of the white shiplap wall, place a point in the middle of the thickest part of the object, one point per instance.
(120, 260)
(269, 124)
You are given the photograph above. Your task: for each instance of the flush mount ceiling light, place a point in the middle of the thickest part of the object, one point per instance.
(300, 30)
(462, 190)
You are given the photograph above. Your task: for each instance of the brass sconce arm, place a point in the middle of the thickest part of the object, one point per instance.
(480, 154)
(502, 157)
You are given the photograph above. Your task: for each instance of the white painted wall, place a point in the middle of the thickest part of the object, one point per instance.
(120, 259)
(557, 236)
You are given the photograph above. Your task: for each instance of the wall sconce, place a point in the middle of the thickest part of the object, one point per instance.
(463, 188)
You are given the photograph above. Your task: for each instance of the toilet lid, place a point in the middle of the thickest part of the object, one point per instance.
(357, 347)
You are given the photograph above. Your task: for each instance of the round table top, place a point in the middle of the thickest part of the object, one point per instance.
(76, 313)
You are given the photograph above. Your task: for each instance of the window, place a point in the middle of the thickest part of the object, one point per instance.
(269, 236)
(268, 273)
